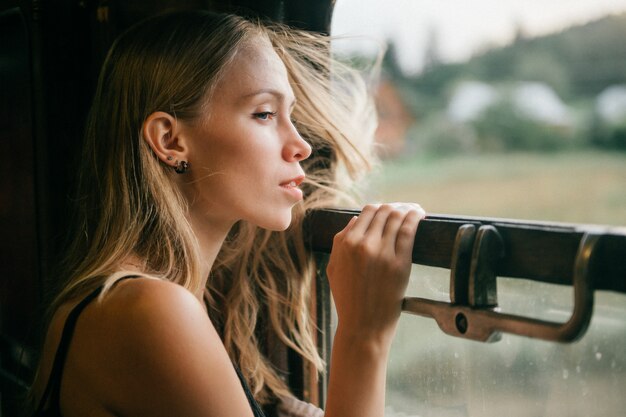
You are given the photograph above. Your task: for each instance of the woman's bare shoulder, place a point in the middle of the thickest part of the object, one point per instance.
(141, 310)
(149, 348)
(148, 298)
(142, 320)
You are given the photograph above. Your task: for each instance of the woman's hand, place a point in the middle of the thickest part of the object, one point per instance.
(369, 269)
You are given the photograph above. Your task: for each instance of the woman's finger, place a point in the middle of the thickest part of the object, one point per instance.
(378, 223)
(390, 232)
(363, 221)
(406, 232)
(347, 227)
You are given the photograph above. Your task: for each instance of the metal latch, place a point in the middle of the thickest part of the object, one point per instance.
(473, 311)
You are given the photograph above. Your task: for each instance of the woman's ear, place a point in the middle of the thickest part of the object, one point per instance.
(162, 132)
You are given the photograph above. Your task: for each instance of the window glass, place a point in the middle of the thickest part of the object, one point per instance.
(433, 374)
(500, 108)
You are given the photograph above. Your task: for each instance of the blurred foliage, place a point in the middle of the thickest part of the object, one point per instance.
(577, 63)
(503, 127)
(608, 135)
(436, 135)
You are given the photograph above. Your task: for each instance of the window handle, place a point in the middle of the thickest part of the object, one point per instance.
(473, 312)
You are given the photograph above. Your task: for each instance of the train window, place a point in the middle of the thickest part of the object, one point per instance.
(513, 109)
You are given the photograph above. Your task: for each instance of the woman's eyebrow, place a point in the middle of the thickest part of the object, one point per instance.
(280, 96)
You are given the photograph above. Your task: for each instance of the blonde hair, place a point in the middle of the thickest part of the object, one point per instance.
(128, 203)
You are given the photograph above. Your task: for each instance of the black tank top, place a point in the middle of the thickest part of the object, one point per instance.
(53, 388)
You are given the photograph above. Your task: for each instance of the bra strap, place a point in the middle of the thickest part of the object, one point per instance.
(256, 408)
(53, 388)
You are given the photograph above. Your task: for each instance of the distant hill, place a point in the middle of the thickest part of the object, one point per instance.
(577, 62)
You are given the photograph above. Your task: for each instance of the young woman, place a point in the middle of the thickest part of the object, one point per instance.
(196, 174)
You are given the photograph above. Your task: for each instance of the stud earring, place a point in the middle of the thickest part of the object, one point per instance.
(181, 167)
(169, 158)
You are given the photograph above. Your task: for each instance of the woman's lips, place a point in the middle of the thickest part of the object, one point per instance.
(294, 182)
(291, 187)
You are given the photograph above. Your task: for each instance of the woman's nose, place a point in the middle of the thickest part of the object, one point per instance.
(296, 148)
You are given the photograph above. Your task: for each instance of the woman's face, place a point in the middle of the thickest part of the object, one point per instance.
(244, 151)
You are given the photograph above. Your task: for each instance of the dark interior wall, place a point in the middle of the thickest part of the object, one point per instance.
(19, 255)
(43, 85)
(43, 82)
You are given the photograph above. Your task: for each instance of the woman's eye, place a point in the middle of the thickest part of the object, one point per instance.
(264, 115)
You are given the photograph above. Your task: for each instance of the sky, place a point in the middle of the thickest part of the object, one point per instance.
(461, 27)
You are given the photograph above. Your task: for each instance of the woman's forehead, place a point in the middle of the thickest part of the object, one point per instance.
(256, 66)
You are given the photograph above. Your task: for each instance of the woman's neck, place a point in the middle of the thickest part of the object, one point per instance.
(211, 236)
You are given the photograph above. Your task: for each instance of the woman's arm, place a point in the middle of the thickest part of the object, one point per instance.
(368, 272)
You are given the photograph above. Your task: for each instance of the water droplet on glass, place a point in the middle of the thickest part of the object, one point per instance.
(565, 373)
(578, 369)
(598, 355)
(613, 364)
(456, 355)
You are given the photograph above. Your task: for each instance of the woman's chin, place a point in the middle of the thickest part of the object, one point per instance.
(276, 224)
